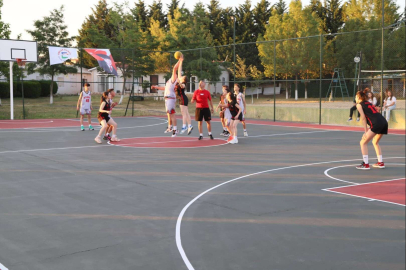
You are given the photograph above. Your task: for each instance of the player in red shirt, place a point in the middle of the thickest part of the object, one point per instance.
(202, 98)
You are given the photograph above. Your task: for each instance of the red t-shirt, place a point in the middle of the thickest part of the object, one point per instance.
(202, 98)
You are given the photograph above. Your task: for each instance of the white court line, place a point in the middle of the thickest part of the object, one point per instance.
(2, 267)
(71, 129)
(293, 133)
(182, 213)
(326, 172)
(22, 121)
(50, 149)
(189, 140)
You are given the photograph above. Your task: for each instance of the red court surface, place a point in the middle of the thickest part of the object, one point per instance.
(38, 123)
(392, 191)
(168, 142)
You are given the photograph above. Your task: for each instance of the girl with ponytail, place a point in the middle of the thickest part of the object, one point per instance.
(378, 126)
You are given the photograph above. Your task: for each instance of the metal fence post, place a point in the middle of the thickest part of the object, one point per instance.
(383, 24)
(274, 80)
(321, 76)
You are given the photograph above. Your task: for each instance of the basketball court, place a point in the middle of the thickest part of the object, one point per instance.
(286, 197)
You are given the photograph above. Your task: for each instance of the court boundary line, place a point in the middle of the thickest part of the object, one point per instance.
(184, 209)
(2, 267)
(368, 198)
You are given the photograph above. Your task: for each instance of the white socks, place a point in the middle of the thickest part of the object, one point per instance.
(201, 134)
(175, 128)
(380, 159)
(189, 126)
(365, 158)
(209, 133)
(184, 126)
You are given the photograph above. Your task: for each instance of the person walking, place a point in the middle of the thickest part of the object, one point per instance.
(85, 106)
(202, 98)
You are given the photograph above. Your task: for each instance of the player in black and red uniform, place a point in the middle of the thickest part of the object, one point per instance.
(104, 118)
(378, 127)
(183, 102)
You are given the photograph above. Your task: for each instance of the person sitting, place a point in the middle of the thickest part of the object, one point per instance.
(388, 105)
(353, 108)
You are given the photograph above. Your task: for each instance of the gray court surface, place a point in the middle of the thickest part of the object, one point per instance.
(68, 203)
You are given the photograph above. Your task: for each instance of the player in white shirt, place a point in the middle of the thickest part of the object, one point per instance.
(239, 92)
(170, 97)
(85, 106)
(389, 104)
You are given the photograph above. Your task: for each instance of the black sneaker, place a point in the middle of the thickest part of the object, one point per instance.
(200, 138)
(211, 137)
(189, 130)
(105, 137)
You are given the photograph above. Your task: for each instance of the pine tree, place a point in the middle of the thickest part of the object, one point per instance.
(155, 13)
(261, 14)
(331, 15)
(50, 31)
(140, 15)
(100, 19)
(4, 34)
(216, 25)
(280, 7)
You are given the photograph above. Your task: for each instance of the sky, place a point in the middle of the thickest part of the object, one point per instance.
(21, 14)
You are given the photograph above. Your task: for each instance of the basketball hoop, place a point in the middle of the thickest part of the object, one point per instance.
(21, 63)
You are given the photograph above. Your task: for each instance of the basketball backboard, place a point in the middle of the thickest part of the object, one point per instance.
(11, 50)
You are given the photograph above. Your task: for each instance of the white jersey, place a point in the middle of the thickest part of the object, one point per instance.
(170, 89)
(86, 100)
(240, 101)
(227, 113)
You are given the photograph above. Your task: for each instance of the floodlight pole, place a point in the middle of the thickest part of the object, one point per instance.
(383, 24)
(234, 19)
(11, 92)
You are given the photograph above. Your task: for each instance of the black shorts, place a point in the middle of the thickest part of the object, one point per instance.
(183, 100)
(381, 128)
(239, 117)
(103, 116)
(202, 113)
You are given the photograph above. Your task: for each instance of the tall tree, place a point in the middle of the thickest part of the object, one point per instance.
(4, 34)
(127, 44)
(294, 58)
(100, 19)
(140, 14)
(156, 13)
(51, 31)
(280, 7)
(216, 25)
(331, 15)
(261, 14)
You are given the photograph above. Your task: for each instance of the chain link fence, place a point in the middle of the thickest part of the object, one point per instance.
(310, 79)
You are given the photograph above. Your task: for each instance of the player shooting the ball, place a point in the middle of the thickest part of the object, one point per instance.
(169, 94)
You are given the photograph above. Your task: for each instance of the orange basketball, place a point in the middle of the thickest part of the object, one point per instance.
(178, 54)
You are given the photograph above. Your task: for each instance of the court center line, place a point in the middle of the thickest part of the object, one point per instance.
(182, 213)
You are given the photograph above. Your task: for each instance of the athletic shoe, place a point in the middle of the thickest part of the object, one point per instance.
(226, 134)
(97, 139)
(189, 130)
(105, 137)
(90, 127)
(379, 165)
(230, 138)
(108, 138)
(174, 132)
(183, 130)
(115, 139)
(223, 133)
(82, 128)
(357, 119)
(211, 137)
(349, 119)
(363, 166)
(200, 138)
(168, 130)
(245, 134)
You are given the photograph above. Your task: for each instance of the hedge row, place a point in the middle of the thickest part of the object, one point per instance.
(32, 89)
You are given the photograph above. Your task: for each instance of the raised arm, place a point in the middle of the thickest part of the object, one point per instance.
(158, 87)
(174, 72)
(180, 67)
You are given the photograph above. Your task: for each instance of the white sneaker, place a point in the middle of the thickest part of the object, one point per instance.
(234, 140)
(245, 134)
(183, 130)
(174, 132)
(349, 119)
(168, 130)
(357, 119)
(189, 130)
